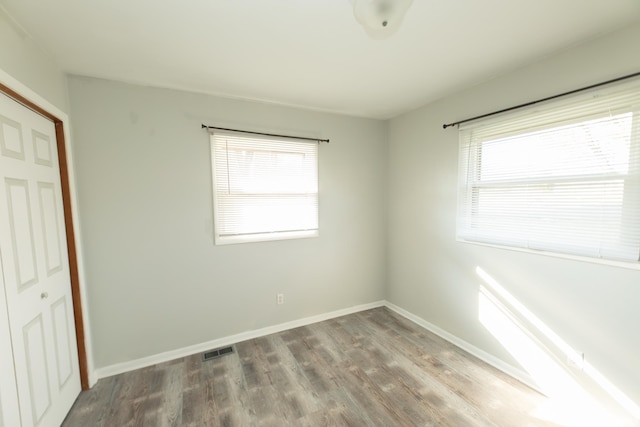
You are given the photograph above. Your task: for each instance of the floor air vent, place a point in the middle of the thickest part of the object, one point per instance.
(212, 354)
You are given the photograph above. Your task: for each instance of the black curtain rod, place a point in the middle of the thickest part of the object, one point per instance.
(267, 134)
(571, 92)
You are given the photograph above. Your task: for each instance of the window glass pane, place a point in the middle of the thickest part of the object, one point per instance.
(598, 146)
(564, 178)
(268, 171)
(264, 189)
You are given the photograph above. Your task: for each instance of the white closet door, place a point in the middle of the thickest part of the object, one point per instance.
(9, 410)
(35, 265)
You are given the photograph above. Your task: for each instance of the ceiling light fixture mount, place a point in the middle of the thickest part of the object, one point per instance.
(380, 18)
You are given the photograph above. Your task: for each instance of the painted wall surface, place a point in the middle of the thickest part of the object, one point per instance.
(156, 280)
(591, 307)
(31, 72)
(23, 59)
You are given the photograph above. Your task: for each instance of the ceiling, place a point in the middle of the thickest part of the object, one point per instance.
(311, 53)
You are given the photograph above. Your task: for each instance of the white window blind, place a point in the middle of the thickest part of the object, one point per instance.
(562, 177)
(264, 188)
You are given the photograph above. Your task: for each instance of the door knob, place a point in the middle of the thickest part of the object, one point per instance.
(44, 295)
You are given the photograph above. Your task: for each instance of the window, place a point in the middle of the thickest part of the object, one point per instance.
(563, 177)
(263, 188)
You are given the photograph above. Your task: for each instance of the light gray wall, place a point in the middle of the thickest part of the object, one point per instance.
(593, 307)
(156, 281)
(23, 59)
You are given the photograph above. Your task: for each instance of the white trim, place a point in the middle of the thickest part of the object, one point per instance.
(265, 237)
(144, 362)
(230, 224)
(631, 265)
(518, 374)
(120, 368)
(33, 97)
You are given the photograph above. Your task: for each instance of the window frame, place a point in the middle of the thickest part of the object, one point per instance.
(471, 165)
(294, 147)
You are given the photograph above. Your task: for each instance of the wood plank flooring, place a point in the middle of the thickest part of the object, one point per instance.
(372, 368)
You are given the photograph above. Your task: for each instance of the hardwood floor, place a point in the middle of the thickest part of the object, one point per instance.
(372, 368)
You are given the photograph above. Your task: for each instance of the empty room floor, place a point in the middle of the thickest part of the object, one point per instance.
(372, 368)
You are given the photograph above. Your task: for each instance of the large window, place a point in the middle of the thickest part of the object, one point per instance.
(263, 188)
(562, 177)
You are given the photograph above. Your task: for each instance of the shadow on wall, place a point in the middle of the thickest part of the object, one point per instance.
(540, 351)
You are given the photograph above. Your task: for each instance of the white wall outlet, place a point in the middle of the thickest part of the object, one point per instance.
(280, 298)
(576, 360)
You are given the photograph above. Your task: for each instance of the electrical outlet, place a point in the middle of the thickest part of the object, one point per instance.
(280, 298)
(576, 360)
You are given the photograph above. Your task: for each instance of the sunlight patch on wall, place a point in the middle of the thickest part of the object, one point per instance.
(537, 348)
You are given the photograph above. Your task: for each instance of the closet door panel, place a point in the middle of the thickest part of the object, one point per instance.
(36, 276)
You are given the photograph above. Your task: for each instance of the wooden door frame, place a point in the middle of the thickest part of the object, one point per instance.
(69, 230)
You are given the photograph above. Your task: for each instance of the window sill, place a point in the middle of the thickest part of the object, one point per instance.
(265, 237)
(607, 262)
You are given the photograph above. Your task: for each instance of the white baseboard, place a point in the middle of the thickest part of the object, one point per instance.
(497, 363)
(120, 368)
(518, 374)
